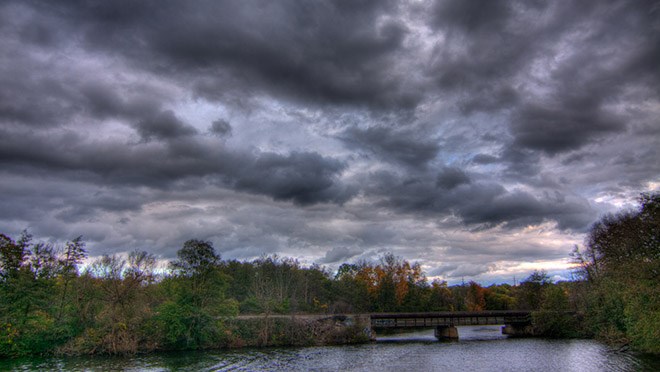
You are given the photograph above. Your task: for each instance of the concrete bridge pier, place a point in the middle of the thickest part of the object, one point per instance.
(446, 333)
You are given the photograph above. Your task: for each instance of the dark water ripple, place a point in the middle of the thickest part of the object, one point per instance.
(479, 349)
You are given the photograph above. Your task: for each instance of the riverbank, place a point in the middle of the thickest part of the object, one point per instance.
(278, 330)
(302, 330)
(480, 348)
(269, 330)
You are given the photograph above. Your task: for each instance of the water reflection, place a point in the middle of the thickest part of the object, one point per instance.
(465, 333)
(478, 349)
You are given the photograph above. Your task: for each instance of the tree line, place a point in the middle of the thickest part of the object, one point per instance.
(51, 303)
(619, 272)
(122, 304)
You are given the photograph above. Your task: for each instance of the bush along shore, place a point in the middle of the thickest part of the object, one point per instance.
(298, 330)
(55, 300)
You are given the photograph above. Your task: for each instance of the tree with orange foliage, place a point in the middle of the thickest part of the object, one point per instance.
(475, 299)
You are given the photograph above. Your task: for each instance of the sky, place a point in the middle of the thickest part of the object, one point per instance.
(480, 139)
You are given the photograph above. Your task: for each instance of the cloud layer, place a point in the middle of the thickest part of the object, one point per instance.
(472, 137)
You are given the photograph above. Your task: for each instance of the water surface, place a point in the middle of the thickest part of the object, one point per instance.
(480, 348)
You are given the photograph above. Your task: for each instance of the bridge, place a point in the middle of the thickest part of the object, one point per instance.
(516, 323)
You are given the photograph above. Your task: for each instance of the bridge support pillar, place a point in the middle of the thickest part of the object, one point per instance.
(518, 330)
(446, 333)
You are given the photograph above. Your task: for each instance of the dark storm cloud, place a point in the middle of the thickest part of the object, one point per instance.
(520, 163)
(484, 204)
(47, 93)
(103, 100)
(55, 96)
(483, 51)
(79, 208)
(324, 51)
(267, 125)
(558, 129)
(485, 159)
(519, 209)
(165, 125)
(302, 177)
(40, 100)
(220, 128)
(608, 48)
(449, 178)
(32, 93)
(472, 16)
(403, 146)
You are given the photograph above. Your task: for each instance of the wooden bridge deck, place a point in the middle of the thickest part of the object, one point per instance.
(455, 318)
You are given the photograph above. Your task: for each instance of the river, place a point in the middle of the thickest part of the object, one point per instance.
(480, 348)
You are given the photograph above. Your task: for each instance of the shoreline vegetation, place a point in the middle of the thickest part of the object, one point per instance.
(51, 305)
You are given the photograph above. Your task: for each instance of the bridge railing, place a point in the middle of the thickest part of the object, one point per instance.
(420, 320)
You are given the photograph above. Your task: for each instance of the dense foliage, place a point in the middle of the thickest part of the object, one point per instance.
(119, 304)
(620, 265)
(49, 303)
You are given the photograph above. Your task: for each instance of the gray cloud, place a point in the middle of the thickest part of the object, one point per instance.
(165, 125)
(220, 128)
(461, 270)
(402, 146)
(339, 254)
(503, 44)
(520, 162)
(103, 100)
(324, 51)
(559, 127)
(305, 178)
(519, 209)
(40, 101)
(328, 130)
(449, 178)
(478, 203)
(485, 159)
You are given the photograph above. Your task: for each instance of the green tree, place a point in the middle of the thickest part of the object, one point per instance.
(621, 264)
(28, 291)
(440, 296)
(122, 289)
(74, 254)
(274, 283)
(529, 292)
(16, 276)
(13, 255)
(500, 297)
(552, 318)
(192, 317)
(352, 289)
